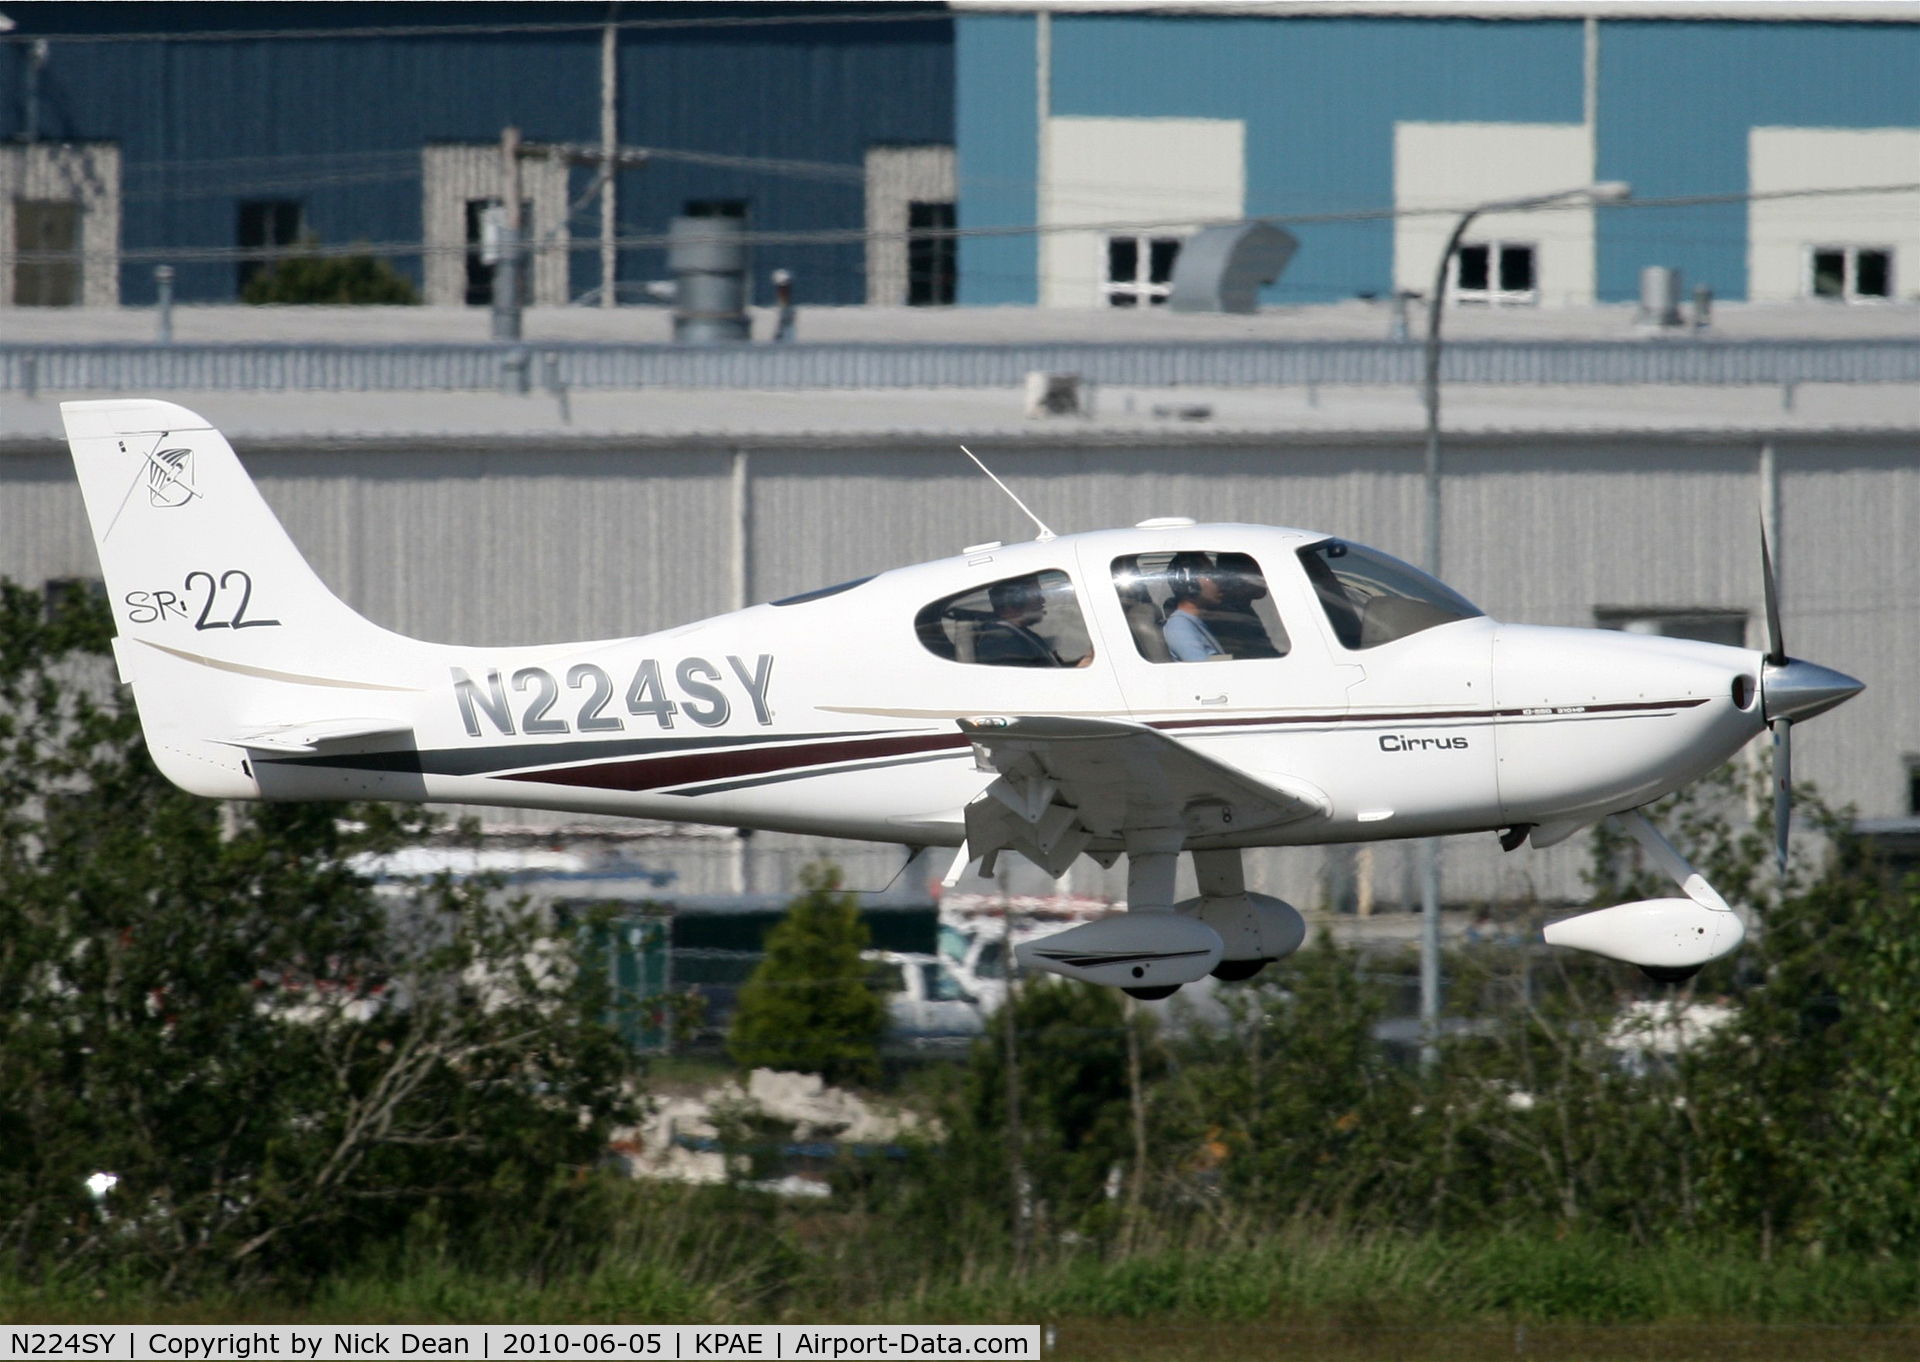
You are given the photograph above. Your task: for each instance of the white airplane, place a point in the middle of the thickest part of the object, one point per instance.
(1170, 688)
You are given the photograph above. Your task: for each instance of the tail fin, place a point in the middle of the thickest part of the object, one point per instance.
(217, 612)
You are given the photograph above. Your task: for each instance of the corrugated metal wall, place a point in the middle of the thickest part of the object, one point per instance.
(339, 122)
(495, 545)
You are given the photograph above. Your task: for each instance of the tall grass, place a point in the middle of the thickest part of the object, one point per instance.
(717, 1255)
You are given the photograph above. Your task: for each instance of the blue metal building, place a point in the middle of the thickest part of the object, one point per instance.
(221, 112)
(1318, 103)
(1075, 145)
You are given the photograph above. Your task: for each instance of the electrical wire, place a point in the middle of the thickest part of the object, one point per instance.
(787, 20)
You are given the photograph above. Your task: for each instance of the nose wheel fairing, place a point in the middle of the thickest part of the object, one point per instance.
(1673, 935)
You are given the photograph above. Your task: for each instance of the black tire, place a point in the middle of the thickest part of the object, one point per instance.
(1152, 995)
(1670, 974)
(1233, 971)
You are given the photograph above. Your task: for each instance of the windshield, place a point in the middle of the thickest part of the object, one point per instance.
(941, 986)
(1373, 598)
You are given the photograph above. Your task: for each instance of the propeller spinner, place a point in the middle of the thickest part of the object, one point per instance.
(1791, 690)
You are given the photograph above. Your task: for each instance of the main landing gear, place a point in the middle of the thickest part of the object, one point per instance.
(1160, 945)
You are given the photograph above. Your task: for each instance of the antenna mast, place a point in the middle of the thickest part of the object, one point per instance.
(1045, 533)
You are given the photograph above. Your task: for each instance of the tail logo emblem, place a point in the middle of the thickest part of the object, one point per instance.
(170, 477)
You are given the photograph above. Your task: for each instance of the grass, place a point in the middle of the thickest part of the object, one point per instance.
(690, 1258)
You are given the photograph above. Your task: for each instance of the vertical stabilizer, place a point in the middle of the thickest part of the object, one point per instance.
(222, 626)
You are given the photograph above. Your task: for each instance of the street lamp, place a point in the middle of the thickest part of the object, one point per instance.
(1606, 191)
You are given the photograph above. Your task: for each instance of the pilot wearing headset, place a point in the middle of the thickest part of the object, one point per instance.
(1196, 591)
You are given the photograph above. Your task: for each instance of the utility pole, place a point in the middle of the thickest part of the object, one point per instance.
(506, 274)
(609, 146)
(1016, 1136)
(1597, 193)
(1137, 1099)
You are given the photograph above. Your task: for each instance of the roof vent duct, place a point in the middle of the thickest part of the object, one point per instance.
(708, 258)
(1221, 269)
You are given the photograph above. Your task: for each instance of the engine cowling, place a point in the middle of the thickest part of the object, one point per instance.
(1668, 934)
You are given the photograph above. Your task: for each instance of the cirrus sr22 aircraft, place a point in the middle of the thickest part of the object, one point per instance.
(1171, 688)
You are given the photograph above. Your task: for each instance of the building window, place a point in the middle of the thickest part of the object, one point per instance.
(59, 591)
(264, 224)
(1850, 273)
(1913, 787)
(1140, 270)
(1497, 272)
(50, 229)
(931, 261)
(716, 208)
(1706, 624)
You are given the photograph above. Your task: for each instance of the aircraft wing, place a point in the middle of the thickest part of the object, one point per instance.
(1070, 785)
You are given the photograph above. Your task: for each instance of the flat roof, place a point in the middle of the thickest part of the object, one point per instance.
(1122, 415)
(1353, 319)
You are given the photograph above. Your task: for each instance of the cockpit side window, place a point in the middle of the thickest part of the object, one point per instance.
(1195, 606)
(1030, 621)
(1372, 598)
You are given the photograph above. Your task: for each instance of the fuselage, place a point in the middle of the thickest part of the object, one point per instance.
(834, 713)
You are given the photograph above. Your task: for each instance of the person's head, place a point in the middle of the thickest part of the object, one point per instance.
(1192, 577)
(1017, 601)
(1240, 579)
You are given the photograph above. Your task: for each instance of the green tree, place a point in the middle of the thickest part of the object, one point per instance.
(1075, 1131)
(306, 277)
(282, 1070)
(807, 1007)
(1294, 1106)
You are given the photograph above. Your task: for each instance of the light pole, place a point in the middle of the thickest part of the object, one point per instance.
(1607, 191)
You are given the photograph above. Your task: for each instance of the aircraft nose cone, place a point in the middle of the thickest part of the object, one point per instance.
(1799, 690)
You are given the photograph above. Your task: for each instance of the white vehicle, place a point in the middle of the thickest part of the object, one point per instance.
(978, 961)
(1025, 697)
(925, 1002)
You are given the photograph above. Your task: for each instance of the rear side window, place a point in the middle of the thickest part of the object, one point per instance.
(1194, 606)
(1030, 621)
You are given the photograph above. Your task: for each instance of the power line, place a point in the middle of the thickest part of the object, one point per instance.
(788, 20)
(838, 236)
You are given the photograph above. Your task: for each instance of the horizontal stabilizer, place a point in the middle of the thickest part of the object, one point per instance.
(321, 735)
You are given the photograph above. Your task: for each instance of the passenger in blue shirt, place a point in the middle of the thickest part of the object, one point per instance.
(1196, 590)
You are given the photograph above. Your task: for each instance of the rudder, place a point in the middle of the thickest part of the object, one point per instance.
(185, 538)
(222, 625)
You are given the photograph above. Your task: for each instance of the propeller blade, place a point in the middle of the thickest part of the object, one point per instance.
(1782, 787)
(1776, 645)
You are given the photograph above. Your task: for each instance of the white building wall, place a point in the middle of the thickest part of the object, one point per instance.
(1176, 173)
(896, 178)
(451, 175)
(1454, 166)
(1781, 233)
(87, 173)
